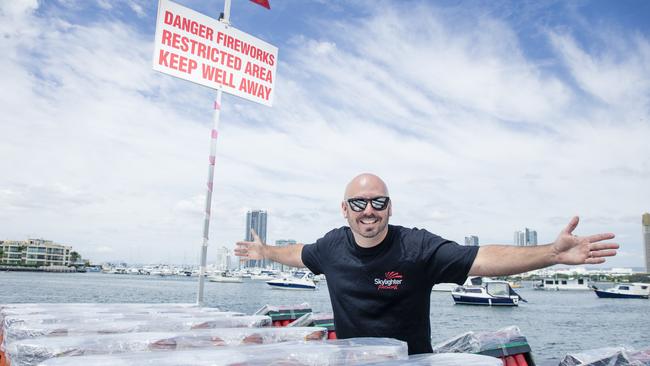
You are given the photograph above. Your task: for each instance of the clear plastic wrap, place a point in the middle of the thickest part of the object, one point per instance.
(445, 359)
(354, 351)
(33, 351)
(35, 307)
(640, 357)
(90, 317)
(229, 356)
(264, 310)
(20, 331)
(98, 308)
(463, 343)
(283, 315)
(303, 321)
(475, 342)
(608, 356)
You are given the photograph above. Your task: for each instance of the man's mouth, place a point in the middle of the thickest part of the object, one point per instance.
(369, 220)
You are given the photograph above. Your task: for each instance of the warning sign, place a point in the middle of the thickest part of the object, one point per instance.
(195, 47)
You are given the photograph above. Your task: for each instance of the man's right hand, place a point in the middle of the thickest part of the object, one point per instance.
(249, 250)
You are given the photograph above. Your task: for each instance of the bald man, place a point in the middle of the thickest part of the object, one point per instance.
(379, 276)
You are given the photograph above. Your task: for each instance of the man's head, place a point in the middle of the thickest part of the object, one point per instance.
(367, 208)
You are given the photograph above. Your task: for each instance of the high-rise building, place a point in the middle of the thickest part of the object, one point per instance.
(471, 240)
(282, 243)
(645, 221)
(531, 237)
(223, 259)
(525, 238)
(256, 219)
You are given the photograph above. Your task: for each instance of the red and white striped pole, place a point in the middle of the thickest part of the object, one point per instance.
(213, 151)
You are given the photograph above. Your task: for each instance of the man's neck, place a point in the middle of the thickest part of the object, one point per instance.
(370, 242)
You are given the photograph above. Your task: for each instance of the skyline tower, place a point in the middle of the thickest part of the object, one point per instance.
(282, 243)
(256, 219)
(645, 223)
(471, 240)
(525, 238)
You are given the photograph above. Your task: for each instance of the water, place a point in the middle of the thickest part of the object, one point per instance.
(555, 323)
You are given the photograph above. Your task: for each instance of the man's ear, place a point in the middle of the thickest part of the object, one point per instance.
(390, 209)
(344, 209)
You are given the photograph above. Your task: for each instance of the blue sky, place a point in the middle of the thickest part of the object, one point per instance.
(483, 118)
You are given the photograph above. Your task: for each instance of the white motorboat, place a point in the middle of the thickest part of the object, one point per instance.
(225, 277)
(264, 275)
(448, 287)
(625, 291)
(490, 293)
(563, 284)
(299, 281)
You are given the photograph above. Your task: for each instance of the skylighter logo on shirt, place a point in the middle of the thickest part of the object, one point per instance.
(391, 281)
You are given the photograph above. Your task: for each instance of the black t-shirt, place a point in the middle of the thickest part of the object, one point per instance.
(384, 291)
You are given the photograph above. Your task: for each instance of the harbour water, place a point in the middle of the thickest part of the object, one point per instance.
(555, 323)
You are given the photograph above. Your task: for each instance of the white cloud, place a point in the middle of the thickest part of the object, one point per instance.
(617, 75)
(17, 8)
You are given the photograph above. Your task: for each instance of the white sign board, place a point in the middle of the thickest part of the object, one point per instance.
(195, 47)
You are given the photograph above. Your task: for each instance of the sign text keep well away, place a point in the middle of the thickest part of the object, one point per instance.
(195, 47)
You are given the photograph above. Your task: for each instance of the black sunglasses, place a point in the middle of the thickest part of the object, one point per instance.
(360, 204)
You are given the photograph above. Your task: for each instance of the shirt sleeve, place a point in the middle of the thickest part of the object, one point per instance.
(314, 256)
(447, 261)
(311, 258)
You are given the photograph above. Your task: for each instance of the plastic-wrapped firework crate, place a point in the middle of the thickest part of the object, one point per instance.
(281, 316)
(31, 352)
(508, 344)
(20, 331)
(325, 320)
(355, 351)
(610, 356)
(516, 353)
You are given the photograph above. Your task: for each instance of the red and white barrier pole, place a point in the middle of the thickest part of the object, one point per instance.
(214, 133)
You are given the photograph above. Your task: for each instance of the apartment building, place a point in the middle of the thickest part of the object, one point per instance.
(34, 252)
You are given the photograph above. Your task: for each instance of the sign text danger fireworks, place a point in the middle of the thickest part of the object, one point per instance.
(194, 47)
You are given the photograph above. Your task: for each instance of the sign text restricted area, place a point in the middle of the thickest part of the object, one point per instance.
(194, 47)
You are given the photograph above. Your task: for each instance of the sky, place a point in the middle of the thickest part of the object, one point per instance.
(482, 117)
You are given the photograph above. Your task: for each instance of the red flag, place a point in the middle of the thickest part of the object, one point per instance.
(264, 3)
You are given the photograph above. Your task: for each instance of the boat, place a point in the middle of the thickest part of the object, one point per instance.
(625, 291)
(264, 275)
(225, 277)
(299, 281)
(563, 284)
(490, 293)
(448, 287)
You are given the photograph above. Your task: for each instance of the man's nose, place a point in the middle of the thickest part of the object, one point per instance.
(369, 209)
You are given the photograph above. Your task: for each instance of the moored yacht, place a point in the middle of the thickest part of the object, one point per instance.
(563, 284)
(625, 291)
(299, 281)
(490, 293)
(264, 275)
(225, 277)
(448, 287)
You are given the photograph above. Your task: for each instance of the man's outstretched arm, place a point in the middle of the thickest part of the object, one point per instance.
(291, 255)
(503, 260)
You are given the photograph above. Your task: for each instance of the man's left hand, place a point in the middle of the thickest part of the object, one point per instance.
(573, 249)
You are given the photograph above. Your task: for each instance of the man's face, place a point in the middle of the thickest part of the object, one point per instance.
(370, 222)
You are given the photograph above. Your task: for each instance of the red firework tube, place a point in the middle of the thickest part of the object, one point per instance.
(521, 360)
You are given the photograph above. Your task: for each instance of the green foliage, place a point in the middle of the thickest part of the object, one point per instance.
(74, 256)
(640, 277)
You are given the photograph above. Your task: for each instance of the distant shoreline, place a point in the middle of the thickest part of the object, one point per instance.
(38, 269)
